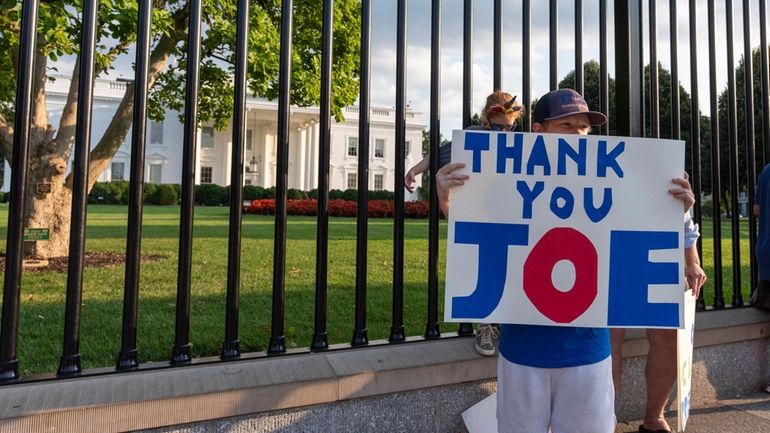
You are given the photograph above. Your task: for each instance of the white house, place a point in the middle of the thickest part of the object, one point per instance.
(164, 146)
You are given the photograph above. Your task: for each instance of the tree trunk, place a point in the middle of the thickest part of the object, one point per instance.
(48, 200)
(48, 204)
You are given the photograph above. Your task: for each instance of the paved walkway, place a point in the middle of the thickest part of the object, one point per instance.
(750, 414)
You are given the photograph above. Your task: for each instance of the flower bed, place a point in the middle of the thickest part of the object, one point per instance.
(343, 208)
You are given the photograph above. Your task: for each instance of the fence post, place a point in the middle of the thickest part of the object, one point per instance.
(628, 61)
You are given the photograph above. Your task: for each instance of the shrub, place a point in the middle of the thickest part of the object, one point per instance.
(252, 192)
(382, 195)
(350, 194)
(149, 190)
(107, 192)
(706, 205)
(163, 194)
(211, 195)
(295, 194)
(268, 193)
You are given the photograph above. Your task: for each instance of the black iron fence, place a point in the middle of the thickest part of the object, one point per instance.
(638, 84)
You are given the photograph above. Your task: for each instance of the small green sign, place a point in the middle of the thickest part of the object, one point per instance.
(37, 234)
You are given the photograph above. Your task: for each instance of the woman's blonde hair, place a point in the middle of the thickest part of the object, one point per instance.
(506, 102)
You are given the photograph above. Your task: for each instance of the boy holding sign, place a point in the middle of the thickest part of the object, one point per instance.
(554, 377)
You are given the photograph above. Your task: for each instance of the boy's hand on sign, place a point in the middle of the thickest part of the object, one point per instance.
(684, 192)
(446, 178)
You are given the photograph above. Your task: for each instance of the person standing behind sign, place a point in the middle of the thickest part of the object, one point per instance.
(661, 367)
(554, 377)
(500, 113)
(761, 296)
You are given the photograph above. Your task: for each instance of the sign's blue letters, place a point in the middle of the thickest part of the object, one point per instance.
(476, 142)
(631, 272)
(493, 241)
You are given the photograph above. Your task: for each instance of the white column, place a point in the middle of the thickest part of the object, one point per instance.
(267, 158)
(313, 172)
(199, 133)
(228, 159)
(6, 186)
(301, 158)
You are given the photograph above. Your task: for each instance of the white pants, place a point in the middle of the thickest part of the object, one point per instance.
(567, 400)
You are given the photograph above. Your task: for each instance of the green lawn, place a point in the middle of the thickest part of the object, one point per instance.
(43, 294)
(727, 260)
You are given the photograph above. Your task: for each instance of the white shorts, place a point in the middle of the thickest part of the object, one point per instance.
(567, 400)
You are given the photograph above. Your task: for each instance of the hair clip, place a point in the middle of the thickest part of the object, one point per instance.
(507, 108)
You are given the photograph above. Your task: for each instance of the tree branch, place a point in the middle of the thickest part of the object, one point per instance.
(65, 136)
(6, 138)
(102, 154)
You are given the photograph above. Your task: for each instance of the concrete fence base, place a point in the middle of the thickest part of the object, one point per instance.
(412, 387)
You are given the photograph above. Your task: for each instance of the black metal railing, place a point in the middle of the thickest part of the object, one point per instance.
(632, 117)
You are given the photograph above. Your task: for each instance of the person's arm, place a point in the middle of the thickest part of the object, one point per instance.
(756, 210)
(694, 274)
(415, 171)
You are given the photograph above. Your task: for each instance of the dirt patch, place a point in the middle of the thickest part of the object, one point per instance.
(92, 260)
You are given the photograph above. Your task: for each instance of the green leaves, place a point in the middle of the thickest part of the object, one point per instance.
(60, 22)
(218, 58)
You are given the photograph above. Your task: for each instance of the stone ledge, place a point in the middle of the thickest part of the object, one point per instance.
(148, 399)
(712, 328)
(155, 398)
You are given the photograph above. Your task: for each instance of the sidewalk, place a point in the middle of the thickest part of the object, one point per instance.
(749, 414)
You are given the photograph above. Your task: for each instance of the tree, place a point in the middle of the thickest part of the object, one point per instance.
(59, 33)
(591, 90)
(742, 137)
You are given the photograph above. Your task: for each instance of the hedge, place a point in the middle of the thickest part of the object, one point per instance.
(211, 194)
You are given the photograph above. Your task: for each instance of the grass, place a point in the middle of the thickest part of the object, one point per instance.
(709, 264)
(43, 294)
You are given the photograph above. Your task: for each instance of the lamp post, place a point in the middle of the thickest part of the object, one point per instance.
(254, 165)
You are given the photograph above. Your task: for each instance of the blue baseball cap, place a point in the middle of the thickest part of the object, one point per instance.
(565, 102)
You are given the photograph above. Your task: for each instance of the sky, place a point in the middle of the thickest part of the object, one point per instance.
(383, 52)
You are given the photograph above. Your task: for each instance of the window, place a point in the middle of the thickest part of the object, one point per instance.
(379, 180)
(206, 173)
(118, 171)
(156, 173)
(407, 148)
(207, 137)
(352, 146)
(379, 148)
(248, 139)
(248, 181)
(156, 132)
(352, 181)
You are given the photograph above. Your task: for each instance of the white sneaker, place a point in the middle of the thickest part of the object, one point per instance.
(767, 390)
(485, 339)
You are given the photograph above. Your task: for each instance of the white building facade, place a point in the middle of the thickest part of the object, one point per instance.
(163, 152)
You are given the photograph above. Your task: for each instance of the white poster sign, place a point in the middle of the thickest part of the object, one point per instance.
(482, 416)
(565, 230)
(685, 340)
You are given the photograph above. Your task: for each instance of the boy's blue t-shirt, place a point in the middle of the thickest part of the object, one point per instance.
(554, 346)
(762, 248)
